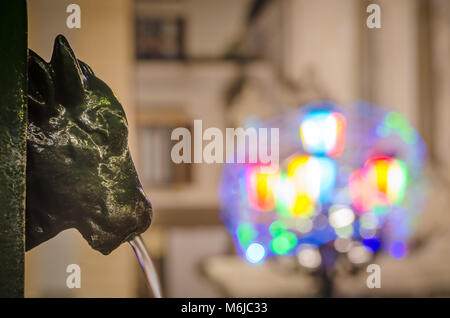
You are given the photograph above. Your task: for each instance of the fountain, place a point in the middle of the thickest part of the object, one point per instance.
(79, 172)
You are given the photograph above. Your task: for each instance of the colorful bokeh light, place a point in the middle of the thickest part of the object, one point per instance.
(261, 188)
(283, 243)
(398, 249)
(255, 253)
(349, 180)
(381, 182)
(294, 192)
(323, 133)
(313, 177)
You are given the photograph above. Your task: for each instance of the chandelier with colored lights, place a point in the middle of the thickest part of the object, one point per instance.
(349, 178)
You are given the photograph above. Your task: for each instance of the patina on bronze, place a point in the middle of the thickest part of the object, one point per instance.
(79, 170)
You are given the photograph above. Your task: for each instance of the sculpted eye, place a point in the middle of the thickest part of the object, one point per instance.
(94, 126)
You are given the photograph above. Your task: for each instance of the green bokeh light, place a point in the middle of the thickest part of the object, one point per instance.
(397, 122)
(283, 243)
(245, 234)
(277, 228)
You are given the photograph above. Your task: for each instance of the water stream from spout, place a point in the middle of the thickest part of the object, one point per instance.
(147, 265)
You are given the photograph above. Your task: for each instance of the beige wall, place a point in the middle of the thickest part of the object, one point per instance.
(394, 58)
(440, 70)
(213, 25)
(322, 43)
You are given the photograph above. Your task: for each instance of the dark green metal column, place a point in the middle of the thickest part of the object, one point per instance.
(13, 122)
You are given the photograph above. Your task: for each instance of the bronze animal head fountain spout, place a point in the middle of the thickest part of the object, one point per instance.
(79, 170)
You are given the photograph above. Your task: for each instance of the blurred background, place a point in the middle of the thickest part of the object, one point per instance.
(173, 61)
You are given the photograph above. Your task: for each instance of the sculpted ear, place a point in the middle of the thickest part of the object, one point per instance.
(69, 77)
(86, 69)
(40, 83)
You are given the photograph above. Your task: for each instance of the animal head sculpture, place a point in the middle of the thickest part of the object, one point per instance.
(79, 170)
